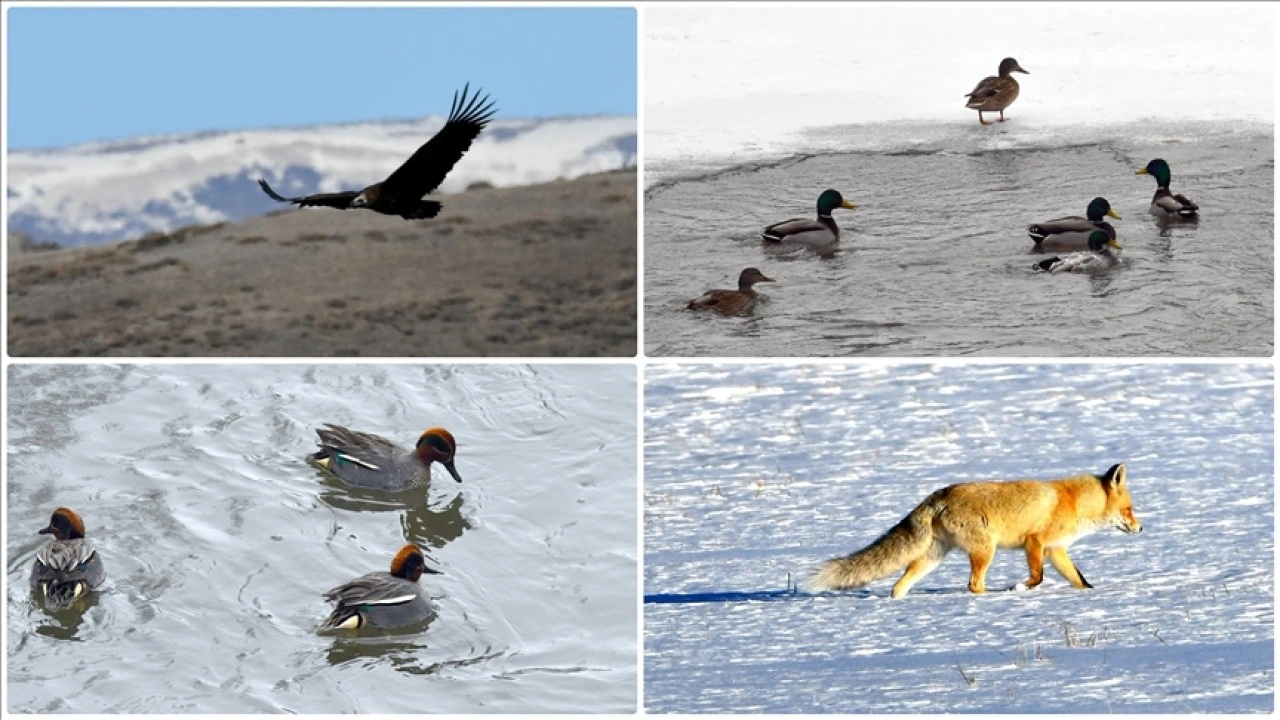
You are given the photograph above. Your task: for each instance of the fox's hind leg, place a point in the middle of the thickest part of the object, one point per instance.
(918, 568)
(1058, 556)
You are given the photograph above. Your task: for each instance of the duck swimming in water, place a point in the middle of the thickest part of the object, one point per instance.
(69, 565)
(1166, 204)
(815, 233)
(370, 461)
(383, 599)
(1070, 233)
(732, 302)
(1098, 258)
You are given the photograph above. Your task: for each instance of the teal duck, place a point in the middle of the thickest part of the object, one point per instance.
(383, 599)
(370, 461)
(68, 566)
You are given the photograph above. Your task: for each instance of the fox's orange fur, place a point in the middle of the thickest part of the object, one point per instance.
(1042, 517)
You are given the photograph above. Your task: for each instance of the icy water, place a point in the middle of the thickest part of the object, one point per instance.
(219, 540)
(935, 260)
(756, 473)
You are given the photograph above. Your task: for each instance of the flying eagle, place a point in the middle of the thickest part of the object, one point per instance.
(401, 193)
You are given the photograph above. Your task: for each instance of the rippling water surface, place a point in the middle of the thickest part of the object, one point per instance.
(219, 540)
(756, 473)
(935, 260)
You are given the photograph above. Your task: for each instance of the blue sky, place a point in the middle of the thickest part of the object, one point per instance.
(80, 74)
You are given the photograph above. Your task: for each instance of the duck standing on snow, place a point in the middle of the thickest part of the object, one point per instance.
(996, 93)
(67, 567)
(1165, 204)
(815, 233)
(1073, 232)
(383, 599)
(732, 302)
(1099, 257)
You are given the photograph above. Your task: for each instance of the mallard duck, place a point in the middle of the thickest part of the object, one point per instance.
(1073, 232)
(820, 232)
(68, 566)
(732, 302)
(1099, 257)
(370, 461)
(996, 93)
(383, 599)
(1165, 204)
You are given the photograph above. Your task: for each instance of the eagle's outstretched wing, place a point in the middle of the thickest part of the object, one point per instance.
(427, 168)
(340, 200)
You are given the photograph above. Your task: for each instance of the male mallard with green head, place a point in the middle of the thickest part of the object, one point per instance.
(732, 302)
(1165, 204)
(1073, 232)
(996, 93)
(1099, 257)
(816, 233)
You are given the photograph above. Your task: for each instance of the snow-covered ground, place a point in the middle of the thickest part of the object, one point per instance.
(756, 473)
(761, 81)
(115, 190)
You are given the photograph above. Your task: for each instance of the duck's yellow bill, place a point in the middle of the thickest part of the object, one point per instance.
(1142, 171)
(847, 205)
(1112, 214)
(1115, 245)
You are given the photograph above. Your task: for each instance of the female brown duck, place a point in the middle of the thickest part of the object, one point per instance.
(732, 302)
(996, 93)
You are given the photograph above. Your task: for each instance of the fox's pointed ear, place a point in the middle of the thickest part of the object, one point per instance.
(1114, 476)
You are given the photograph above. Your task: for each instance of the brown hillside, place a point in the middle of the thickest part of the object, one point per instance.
(542, 270)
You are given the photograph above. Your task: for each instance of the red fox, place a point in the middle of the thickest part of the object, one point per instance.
(1042, 517)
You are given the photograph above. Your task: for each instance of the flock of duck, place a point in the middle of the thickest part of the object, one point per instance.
(1092, 235)
(69, 566)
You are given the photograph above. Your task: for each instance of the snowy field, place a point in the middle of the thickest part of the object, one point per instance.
(727, 88)
(756, 473)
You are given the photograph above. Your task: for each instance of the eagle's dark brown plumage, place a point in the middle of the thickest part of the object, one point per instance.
(401, 193)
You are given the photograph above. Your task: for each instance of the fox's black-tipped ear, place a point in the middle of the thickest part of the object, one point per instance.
(1114, 476)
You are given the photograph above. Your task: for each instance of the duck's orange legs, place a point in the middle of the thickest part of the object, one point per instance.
(1001, 116)
(984, 122)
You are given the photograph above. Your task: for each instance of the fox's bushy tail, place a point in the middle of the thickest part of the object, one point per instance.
(892, 551)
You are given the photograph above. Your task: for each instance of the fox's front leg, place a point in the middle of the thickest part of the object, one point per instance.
(979, 561)
(1035, 561)
(1058, 556)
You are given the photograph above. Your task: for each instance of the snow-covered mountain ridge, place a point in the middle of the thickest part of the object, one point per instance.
(114, 190)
